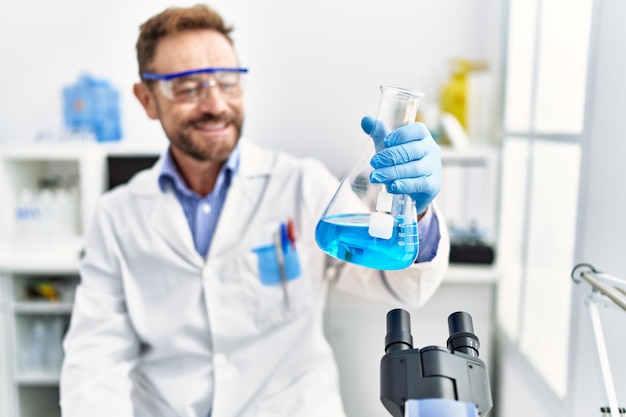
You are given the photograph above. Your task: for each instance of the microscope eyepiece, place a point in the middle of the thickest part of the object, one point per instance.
(398, 331)
(462, 337)
(452, 376)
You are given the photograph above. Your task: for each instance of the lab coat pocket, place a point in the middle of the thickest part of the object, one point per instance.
(277, 290)
(272, 269)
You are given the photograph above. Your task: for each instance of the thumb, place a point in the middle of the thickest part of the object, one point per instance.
(376, 129)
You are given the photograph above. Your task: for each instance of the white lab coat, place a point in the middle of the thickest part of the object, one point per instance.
(154, 320)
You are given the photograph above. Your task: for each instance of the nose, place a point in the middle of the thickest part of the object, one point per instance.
(211, 99)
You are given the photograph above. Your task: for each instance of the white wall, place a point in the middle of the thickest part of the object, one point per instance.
(315, 64)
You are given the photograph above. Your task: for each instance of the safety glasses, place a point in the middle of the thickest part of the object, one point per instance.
(192, 86)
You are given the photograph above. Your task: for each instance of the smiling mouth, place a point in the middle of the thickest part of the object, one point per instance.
(211, 126)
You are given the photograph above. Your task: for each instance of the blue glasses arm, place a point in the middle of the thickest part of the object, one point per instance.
(171, 76)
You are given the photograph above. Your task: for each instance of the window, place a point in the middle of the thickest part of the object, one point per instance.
(543, 120)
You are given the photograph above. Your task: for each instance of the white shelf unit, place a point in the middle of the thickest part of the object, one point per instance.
(33, 391)
(33, 371)
(31, 388)
(468, 195)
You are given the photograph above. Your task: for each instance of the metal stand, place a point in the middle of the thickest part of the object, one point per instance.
(603, 287)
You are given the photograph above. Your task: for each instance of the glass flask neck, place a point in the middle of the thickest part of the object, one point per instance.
(397, 106)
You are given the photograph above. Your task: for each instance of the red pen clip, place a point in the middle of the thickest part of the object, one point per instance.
(291, 233)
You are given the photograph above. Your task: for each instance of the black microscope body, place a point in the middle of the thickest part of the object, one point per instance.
(454, 373)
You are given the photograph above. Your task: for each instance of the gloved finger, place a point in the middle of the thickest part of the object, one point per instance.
(421, 189)
(376, 129)
(413, 151)
(410, 170)
(406, 152)
(421, 179)
(430, 164)
(408, 133)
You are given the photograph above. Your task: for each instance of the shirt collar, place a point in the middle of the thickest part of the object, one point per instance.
(170, 175)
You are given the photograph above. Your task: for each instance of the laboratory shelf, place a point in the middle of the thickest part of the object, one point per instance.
(57, 257)
(51, 266)
(472, 274)
(44, 152)
(78, 151)
(476, 152)
(38, 378)
(42, 307)
(35, 257)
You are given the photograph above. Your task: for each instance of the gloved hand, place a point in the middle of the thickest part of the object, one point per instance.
(408, 161)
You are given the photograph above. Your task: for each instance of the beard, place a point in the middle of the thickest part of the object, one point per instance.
(218, 150)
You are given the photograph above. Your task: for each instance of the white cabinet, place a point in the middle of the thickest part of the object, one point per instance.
(40, 249)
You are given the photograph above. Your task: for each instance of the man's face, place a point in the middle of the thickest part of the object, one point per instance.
(206, 130)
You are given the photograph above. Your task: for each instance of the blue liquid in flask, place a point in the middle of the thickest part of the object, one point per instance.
(346, 237)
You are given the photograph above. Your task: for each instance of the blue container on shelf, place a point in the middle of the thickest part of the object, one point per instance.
(92, 105)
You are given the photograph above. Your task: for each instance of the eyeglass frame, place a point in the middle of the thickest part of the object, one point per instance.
(151, 76)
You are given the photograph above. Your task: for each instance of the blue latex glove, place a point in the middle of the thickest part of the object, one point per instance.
(408, 161)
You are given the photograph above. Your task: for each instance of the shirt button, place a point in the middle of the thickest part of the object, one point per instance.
(206, 208)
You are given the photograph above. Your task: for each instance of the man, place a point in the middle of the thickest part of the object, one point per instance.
(180, 310)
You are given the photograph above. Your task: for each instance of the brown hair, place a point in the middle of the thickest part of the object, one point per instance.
(174, 20)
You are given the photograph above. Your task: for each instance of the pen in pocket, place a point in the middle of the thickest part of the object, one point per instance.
(280, 242)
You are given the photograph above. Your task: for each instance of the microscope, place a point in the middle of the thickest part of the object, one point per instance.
(433, 381)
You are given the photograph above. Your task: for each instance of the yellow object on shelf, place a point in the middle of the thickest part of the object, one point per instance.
(42, 290)
(454, 94)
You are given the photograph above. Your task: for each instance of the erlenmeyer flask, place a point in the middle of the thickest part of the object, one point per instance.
(363, 223)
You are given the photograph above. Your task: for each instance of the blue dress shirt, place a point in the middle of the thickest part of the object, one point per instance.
(202, 213)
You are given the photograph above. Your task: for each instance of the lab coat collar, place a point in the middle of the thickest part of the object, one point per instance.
(251, 165)
(243, 199)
